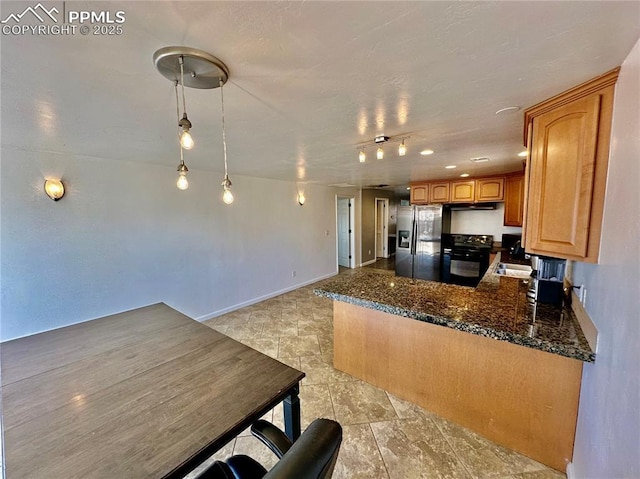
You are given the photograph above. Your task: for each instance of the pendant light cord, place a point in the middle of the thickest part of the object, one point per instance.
(175, 87)
(224, 138)
(184, 103)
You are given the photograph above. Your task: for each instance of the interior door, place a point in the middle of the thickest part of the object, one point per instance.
(344, 232)
(381, 228)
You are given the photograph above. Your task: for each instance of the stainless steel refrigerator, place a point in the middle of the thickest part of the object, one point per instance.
(418, 245)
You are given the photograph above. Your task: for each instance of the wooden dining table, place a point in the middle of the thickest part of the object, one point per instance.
(148, 393)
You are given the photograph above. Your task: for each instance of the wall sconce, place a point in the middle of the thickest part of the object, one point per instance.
(301, 198)
(54, 189)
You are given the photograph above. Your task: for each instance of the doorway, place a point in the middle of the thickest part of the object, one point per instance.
(345, 226)
(382, 228)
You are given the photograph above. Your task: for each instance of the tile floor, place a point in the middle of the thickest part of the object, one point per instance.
(384, 437)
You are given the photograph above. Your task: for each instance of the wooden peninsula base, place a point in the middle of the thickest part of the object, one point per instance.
(518, 397)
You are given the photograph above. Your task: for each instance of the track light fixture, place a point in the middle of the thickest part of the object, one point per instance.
(378, 142)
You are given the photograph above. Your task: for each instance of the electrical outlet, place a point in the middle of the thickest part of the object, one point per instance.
(369, 251)
(293, 274)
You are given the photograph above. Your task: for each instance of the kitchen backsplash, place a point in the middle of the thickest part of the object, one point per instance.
(482, 222)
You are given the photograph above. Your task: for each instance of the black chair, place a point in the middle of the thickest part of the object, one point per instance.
(312, 456)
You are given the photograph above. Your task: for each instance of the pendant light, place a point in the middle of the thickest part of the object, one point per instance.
(402, 149)
(183, 182)
(380, 153)
(186, 141)
(362, 156)
(227, 196)
(195, 69)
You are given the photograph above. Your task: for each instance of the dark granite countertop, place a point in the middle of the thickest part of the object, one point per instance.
(498, 308)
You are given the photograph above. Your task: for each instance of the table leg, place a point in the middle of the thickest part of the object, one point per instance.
(291, 406)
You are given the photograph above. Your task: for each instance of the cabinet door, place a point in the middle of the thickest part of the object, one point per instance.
(490, 189)
(561, 178)
(514, 200)
(439, 192)
(419, 194)
(462, 191)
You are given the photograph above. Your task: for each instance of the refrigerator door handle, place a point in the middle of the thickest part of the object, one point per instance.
(414, 233)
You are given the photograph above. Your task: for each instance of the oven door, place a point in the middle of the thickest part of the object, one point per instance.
(465, 267)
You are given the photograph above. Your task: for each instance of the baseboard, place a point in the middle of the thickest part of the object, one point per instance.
(367, 263)
(273, 294)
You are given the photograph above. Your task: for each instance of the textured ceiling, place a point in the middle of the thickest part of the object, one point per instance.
(309, 81)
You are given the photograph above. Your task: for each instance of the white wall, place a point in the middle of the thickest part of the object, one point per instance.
(482, 222)
(608, 433)
(124, 236)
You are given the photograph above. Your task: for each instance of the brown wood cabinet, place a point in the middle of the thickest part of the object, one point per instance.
(514, 200)
(419, 194)
(490, 189)
(439, 192)
(566, 175)
(463, 191)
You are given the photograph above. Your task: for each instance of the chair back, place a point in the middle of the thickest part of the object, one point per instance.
(313, 455)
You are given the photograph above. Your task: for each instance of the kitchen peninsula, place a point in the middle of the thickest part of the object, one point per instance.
(482, 357)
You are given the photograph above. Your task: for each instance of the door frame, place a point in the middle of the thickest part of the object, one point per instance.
(352, 236)
(385, 233)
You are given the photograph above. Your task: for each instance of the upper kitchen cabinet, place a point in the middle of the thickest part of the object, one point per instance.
(490, 189)
(463, 191)
(439, 192)
(419, 194)
(568, 140)
(514, 200)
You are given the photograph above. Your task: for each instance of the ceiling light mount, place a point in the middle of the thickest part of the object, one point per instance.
(202, 70)
(381, 139)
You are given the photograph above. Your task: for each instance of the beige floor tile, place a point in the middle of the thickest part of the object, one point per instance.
(405, 409)
(321, 371)
(357, 402)
(246, 330)
(263, 315)
(482, 457)
(315, 402)
(415, 448)
(326, 344)
(279, 328)
(268, 346)
(359, 457)
(541, 474)
(298, 346)
(315, 326)
(293, 362)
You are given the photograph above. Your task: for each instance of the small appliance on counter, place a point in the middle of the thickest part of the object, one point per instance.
(546, 281)
(513, 244)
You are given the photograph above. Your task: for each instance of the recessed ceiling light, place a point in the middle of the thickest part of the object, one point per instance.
(408, 188)
(450, 167)
(426, 152)
(464, 175)
(509, 109)
(523, 153)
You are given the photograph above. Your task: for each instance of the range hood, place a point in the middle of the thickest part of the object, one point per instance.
(471, 206)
